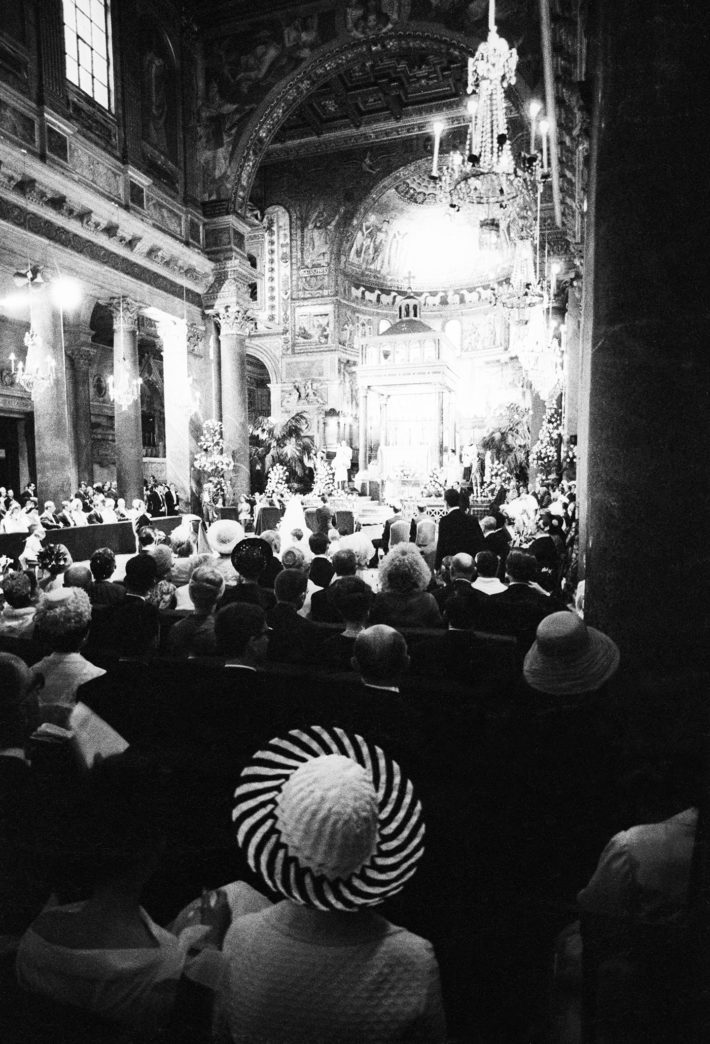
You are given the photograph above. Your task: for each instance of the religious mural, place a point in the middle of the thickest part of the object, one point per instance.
(405, 237)
(240, 71)
(313, 324)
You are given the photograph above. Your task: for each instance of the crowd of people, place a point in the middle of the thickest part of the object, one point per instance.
(90, 505)
(326, 814)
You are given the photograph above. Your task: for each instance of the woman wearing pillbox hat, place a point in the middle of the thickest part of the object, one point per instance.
(329, 822)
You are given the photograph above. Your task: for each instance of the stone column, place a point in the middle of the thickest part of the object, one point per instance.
(129, 438)
(178, 405)
(439, 427)
(81, 356)
(53, 438)
(572, 374)
(233, 328)
(646, 346)
(363, 455)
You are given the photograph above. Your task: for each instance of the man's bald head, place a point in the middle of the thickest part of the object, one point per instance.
(462, 567)
(78, 576)
(380, 655)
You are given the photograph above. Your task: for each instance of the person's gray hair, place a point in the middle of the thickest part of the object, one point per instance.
(404, 570)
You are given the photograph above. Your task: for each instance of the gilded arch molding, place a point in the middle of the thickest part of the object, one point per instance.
(325, 63)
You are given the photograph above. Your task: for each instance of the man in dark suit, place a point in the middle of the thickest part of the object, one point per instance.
(519, 609)
(324, 516)
(155, 502)
(48, 518)
(386, 532)
(462, 572)
(293, 639)
(323, 609)
(458, 532)
(497, 538)
(64, 517)
(133, 628)
(321, 569)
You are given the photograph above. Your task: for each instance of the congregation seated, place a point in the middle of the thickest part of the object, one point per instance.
(403, 599)
(18, 613)
(62, 620)
(103, 591)
(105, 955)
(195, 635)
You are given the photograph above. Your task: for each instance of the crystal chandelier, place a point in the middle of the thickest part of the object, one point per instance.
(124, 390)
(33, 376)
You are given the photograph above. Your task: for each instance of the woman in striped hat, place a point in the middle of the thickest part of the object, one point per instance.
(330, 823)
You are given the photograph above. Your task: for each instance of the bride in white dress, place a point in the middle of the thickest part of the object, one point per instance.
(294, 517)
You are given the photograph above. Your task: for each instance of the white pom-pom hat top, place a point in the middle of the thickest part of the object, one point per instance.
(328, 820)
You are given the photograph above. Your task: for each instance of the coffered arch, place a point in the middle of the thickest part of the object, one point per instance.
(326, 63)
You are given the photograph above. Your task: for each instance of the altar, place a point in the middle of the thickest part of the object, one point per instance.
(407, 384)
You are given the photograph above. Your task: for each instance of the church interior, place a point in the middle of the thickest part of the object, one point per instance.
(397, 226)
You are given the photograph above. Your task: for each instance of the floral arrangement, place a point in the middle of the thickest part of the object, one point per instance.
(54, 558)
(277, 484)
(323, 480)
(499, 476)
(545, 454)
(213, 462)
(434, 485)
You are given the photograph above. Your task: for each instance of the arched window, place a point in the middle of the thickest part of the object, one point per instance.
(87, 45)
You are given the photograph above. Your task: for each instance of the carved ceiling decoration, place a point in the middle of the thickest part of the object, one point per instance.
(327, 64)
(383, 88)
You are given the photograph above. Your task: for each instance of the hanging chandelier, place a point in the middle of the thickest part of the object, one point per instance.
(35, 374)
(123, 389)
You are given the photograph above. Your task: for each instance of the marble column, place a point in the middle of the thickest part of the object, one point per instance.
(646, 346)
(178, 405)
(233, 328)
(81, 356)
(537, 416)
(363, 456)
(129, 438)
(53, 436)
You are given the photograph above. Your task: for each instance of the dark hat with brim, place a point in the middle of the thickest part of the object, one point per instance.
(568, 657)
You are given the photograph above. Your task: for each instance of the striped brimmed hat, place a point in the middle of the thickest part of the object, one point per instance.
(328, 820)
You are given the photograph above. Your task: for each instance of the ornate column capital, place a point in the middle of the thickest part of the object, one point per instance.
(233, 319)
(81, 355)
(195, 339)
(124, 312)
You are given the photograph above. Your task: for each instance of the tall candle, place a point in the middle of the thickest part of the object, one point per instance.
(544, 128)
(438, 128)
(534, 112)
(492, 14)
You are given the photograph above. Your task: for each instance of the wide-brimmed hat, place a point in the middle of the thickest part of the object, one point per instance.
(251, 554)
(568, 658)
(328, 820)
(223, 535)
